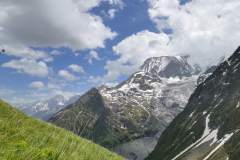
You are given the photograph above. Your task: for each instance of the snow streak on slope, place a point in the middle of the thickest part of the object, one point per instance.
(209, 135)
(205, 133)
(222, 142)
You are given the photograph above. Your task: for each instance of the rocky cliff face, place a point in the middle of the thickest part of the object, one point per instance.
(208, 128)
(134, 112)
(206, 74)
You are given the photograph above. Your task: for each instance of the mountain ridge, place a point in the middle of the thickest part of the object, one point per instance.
(208, 128)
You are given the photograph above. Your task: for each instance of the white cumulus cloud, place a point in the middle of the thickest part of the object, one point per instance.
(111, 13)
(76, 68)
(67, 75)
(134, 50)
(93, 55)
(24, 52)
(63, 23)
(55, 23)
(205, 30)
(28, 66)
(37, 85)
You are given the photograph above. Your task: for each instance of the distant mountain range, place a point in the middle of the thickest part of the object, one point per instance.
(209, 126)
(130, 117)
(45, 109)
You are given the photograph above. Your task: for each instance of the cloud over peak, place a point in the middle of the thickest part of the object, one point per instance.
(134, 50)
(205, 30)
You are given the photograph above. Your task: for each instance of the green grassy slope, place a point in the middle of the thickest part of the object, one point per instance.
(23, 138)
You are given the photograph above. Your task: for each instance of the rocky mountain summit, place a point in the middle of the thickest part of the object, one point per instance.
(132, 115)
(167, 66)
(209, 126)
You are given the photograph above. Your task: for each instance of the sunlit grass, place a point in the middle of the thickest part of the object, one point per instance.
(24, 138)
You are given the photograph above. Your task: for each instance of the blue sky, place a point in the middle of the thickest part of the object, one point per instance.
(73, 64)
(130, 19)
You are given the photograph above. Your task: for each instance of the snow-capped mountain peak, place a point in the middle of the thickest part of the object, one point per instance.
(168, 66)
(46, 108)
(159, 71)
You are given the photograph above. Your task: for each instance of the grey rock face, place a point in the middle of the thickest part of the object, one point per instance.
(206, 74)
